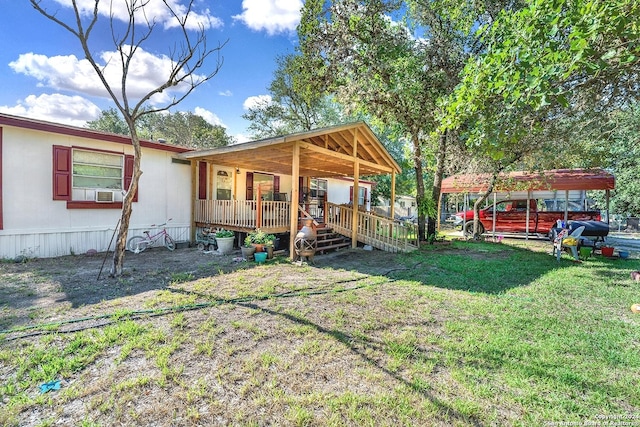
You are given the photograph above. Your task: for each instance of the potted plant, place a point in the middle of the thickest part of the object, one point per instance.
(247, 249)
(259, 239)
(225, 239)
(269, 246)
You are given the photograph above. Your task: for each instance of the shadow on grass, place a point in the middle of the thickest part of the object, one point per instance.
(364, 347)
(473, 267)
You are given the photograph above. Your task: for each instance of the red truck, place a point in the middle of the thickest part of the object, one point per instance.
(511, 217)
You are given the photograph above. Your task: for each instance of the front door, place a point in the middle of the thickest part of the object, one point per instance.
(224, 184)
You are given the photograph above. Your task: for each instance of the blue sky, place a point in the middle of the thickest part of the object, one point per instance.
(43, 74)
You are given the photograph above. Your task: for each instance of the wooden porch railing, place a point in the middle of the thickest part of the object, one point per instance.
(244, 214)
(375, 230)
(380, 232)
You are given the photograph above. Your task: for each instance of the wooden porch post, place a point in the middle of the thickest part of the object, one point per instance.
(355, 206)
(392, 211)
(392, 202)
(356, 192)
(194, 199)
(295, 196)
(258, 207)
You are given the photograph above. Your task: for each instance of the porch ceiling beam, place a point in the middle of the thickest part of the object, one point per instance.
(365, 163)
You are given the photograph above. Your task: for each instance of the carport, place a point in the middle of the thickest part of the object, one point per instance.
(560, 185)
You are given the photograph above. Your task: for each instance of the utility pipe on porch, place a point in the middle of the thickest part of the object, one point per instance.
(194, 200)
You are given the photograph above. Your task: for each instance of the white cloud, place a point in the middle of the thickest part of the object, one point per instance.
(57, 108)
(209, 117)
(256, 101)
(240, 138)
(154, 11)
(273, 16)
(145, 73)
(226, 93)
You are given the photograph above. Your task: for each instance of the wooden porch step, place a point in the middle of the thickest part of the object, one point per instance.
(327, 240)
(337, 246)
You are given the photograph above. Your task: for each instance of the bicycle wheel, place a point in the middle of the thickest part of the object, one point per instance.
(169, 243)
(137, 244)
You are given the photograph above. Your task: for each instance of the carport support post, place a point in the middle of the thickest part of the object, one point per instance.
(495, 201)
(566, 208)
(295, 197)
(439, 212)
(607, 193)
(528, 214)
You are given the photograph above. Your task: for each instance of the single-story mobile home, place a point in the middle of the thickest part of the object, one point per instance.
(61, 187)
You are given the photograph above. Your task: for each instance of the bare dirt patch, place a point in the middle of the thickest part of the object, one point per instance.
(219, 342)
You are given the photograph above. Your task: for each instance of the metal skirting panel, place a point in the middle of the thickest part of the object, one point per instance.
(49, 244)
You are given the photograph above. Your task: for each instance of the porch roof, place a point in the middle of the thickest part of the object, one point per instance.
(326, 152)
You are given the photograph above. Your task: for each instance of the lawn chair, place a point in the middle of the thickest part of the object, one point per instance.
(568, 242)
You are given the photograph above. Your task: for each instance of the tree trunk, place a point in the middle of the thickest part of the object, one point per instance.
(437, 182)
(483, 197)
(420, 197)
(127, 208)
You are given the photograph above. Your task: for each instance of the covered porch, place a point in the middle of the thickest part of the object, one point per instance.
(293, 163)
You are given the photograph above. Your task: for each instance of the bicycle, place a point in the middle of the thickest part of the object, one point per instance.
(137, 244)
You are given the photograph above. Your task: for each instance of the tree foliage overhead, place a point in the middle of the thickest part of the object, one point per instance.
(396, 61)
(291, 108)
(544, 62)
(180, 128)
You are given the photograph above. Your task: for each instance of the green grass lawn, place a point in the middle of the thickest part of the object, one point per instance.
(460, 334)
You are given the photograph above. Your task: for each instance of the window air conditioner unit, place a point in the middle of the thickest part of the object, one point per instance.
(104, 196)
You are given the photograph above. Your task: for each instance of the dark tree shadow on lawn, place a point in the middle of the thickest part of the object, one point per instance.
(484, 268)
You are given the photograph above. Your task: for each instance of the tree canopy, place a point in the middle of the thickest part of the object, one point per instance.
(180, 128)
(544, 62)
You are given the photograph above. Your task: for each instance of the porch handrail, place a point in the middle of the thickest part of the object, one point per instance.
(243, 213)
(375, 230)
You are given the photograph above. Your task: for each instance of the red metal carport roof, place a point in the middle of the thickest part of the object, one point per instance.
(557, 179)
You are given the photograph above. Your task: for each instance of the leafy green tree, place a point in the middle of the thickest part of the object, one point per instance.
(617, 148)
(190, 130)
(545, 62)
(547, 65)
(109, 121)
(181, 128)
(395, 61)
(291, 109)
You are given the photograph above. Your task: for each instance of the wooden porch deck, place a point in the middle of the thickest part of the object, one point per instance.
(274, 216)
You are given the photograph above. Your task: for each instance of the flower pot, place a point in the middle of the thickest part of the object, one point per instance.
(225, 244)
(248, 252)
(269, 251)
(607, 251)
(259, 247)
(260, 257)
(623, 254)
